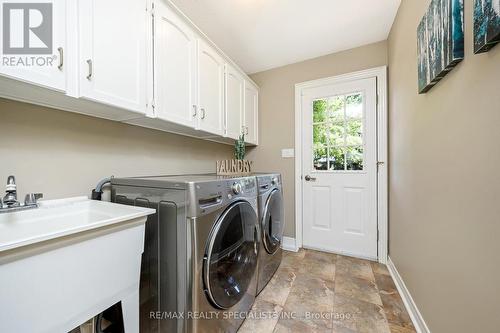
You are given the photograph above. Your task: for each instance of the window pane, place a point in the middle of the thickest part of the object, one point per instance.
(354, 106)
(337, 159)
(354, 129)
(319, 110)
(320, 135)
(336, 108)
(320, 158)
(354, 158)
(336, 132)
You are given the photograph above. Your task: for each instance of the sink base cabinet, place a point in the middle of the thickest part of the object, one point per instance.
(57, 285)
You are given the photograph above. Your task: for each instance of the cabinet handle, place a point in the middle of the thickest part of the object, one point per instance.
(61, 58)
(89, 62)
(202, 113)
(195, 111)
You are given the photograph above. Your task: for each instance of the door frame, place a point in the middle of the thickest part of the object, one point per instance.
(380, 73)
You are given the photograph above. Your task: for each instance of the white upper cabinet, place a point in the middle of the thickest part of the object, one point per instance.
(210, 89)
(250, 120)
(35, 58)
(234, 102)
(112, 61)
(175, 67)
(142, 62)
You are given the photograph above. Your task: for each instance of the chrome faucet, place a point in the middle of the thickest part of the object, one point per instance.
(10, 198)
(10, 203)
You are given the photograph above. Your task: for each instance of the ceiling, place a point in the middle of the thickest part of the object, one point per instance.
(264, 34)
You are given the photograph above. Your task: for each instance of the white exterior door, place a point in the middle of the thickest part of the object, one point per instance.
(47, 70)
(234, 102)
(339, 168)
(251, 113)
(113, 49)
(175, 62)
(210, 88)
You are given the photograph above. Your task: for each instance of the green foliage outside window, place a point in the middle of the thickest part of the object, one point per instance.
(338, 133)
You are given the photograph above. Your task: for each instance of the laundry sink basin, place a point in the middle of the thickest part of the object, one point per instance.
(67, 261)
(58, 218)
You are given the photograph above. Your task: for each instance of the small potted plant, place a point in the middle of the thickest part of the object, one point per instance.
(239, 148)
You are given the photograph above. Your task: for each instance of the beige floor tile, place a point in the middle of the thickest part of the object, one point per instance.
(318, 264)
(297, 326)
(361, 316)
(350, 296)
(311, 300)
(385, 284)
(395, 310)
(399, 329)
(262, 318)
(355, 267)
(279, 287)
(379, 268)
(318, 256)
(338, 328)
(354, 287)
(293, 259)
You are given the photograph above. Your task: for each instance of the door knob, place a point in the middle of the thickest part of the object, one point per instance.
(309, 178)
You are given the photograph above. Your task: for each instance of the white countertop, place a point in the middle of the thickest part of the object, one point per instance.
(58, 218)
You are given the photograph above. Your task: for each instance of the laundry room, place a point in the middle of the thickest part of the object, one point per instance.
(234, 166)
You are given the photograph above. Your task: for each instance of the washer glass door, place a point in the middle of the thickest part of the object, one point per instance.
(272, 223)
(231, 255)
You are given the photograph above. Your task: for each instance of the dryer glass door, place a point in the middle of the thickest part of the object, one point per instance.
(231, 258)
(272, 223)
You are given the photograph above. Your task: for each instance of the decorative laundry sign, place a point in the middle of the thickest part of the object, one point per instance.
(234, 167)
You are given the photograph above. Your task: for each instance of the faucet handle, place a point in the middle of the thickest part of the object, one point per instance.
(32, 198)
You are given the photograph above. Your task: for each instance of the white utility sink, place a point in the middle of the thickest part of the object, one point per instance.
(67, 261)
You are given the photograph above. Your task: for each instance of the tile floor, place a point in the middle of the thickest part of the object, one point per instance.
(323, 292)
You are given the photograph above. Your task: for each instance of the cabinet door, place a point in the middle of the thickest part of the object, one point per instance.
(234, 102)
(113, 52)
(175, 60)
(251, 113)
(35, 58)
(210, 89)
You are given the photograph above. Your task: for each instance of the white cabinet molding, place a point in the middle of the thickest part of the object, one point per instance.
(210, 89)
(53, 69)
(175, 68)
(234, 94)
(112, 62)
(250, 119)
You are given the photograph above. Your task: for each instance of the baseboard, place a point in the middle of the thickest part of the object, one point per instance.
(289, 244)
(411, 307)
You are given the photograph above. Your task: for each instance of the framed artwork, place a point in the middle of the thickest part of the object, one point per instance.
(486, 25)
(440, 41)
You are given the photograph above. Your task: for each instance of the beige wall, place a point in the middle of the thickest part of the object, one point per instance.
(444, 181)
(64, 154)
(277, 107)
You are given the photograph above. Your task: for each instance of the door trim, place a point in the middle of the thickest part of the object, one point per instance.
(380, 73)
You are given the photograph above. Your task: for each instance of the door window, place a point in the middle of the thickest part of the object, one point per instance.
(338, 123)
(232, 255)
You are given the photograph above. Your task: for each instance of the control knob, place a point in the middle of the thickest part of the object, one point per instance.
(237, 188)
(275, 181)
